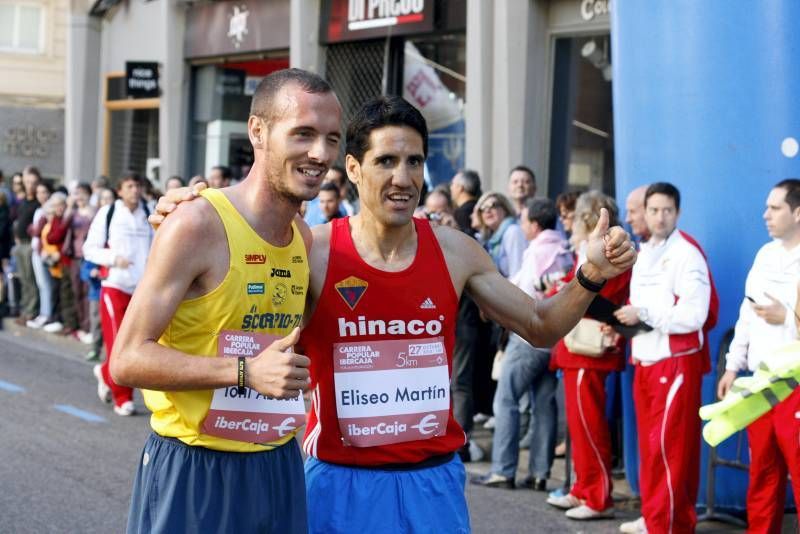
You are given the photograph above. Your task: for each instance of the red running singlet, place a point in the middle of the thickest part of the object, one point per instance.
(381, 346)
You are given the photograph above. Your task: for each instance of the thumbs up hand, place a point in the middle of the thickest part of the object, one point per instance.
(609, 251)
(277, 371)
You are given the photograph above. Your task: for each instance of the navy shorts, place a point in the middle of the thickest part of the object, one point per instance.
(345, 500)
(179, 488)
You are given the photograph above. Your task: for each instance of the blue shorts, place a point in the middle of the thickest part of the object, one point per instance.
(343, 499)
(179, 488)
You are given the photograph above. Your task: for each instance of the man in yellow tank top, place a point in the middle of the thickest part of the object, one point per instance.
(210, 330)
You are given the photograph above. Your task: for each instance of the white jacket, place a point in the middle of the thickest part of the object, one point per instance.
(775, 271)
(671, 284)
(129, 236)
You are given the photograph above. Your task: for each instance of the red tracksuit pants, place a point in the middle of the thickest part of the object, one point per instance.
(667, 397)
(585, 396)
(113, 304)
(774, 451)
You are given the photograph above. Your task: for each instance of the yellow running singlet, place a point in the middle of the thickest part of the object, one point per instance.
(260, 299)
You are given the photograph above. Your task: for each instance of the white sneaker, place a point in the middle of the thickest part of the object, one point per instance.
(489, 424)
(583, 512)
(125, 409)
(476, 454)
(36, 323)
(103, 391)
(479, 418)
(53, 328)
(85, 337)
(565, 502)
(634, 527)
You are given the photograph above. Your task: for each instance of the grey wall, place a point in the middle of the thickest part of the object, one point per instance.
(32, 137)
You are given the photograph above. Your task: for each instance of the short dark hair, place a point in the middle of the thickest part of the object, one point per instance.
(543, 212)
(471, 182)
(224, 170)
(176, 177)
(329, 186)
(86, 188)
(130, 177)
(380, 112)
(664, 188)
(30, 169)
(261, 105)
(567, 200)
(342, 173)
(792, 187)
(523, 168)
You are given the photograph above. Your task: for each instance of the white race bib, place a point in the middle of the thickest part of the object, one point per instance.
(252, 417)
(391, 391)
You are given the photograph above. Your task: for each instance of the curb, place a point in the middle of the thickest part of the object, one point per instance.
(66, 345)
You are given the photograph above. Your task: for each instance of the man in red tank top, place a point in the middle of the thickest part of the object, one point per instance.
(381, 433)
(380, 319)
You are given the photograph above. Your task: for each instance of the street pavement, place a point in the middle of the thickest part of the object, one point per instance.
(67, 461)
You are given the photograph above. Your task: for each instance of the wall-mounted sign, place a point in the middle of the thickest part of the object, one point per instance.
(351, 20)
(221, 28)
(141, 79)
(30, 136)
(594, 8)
(237, 27)
(29, 141)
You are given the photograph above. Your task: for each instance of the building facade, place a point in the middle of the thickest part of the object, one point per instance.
(33, 36)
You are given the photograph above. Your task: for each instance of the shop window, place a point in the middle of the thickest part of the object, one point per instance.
(131, 132)
(134, 143)
(221, 96)
(434, 81)
(355, 71)
(21, 28)
(582, 141)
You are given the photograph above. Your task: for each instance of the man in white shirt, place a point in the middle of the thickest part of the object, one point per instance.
(119, 240)
(672, 292)
(767, 322)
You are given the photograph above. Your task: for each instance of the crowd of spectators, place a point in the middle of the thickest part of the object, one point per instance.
(60, 249)
(48, 281)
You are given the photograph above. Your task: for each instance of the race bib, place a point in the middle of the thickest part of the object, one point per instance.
(252, 417)
(391, 391)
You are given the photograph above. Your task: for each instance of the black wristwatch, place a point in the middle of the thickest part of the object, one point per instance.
(587, 284)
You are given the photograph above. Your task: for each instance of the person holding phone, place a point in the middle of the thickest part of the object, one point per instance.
(767, 322)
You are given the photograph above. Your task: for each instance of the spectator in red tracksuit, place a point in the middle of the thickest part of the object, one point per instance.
(584, 385)
(119, 242)
(766, 323)
(672, 292)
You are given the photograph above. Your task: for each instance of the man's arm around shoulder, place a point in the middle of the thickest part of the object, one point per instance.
(173, 266)
(173, 270)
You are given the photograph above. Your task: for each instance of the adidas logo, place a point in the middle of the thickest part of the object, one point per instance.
(427, 304)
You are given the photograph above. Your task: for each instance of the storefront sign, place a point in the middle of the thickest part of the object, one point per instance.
(29, 141)
(221, 28)
(351, 20)
(594, 8)
(141, 79)
(32, 137)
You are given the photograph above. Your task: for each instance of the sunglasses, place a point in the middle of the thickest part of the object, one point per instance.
(489, 206)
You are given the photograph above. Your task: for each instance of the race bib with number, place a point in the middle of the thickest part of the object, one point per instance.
(391, 391)
(252, 417)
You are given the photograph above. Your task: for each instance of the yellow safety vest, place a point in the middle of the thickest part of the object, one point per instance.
(753, 396)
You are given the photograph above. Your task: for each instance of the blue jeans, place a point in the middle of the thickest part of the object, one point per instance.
(524, 369)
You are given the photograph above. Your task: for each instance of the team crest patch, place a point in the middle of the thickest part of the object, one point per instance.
(351, 289)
